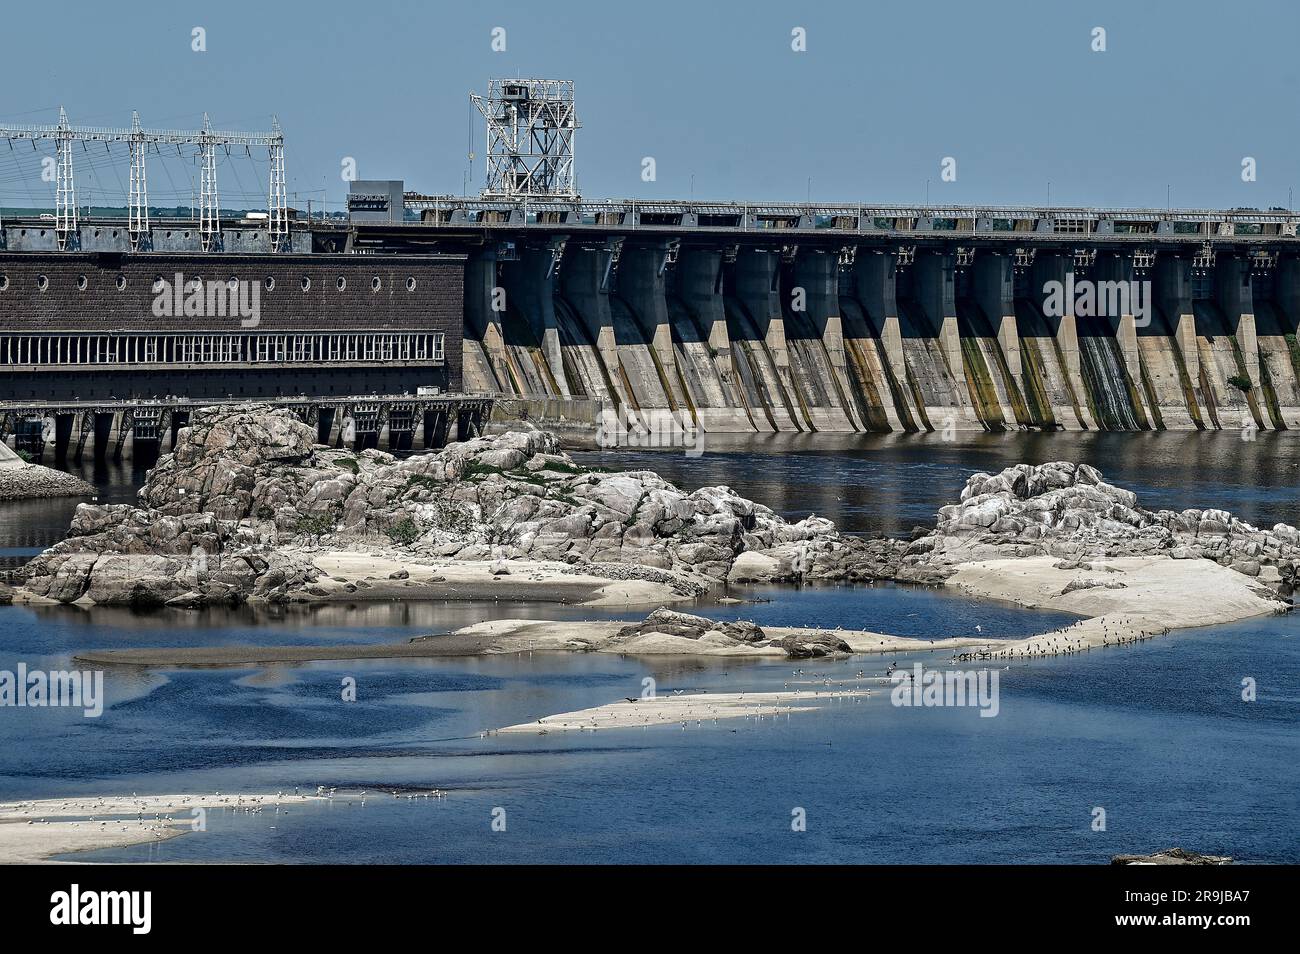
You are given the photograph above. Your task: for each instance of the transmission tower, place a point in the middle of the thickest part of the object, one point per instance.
(530, 131)
(277, 213)
(65, 190)
(138, 203)
(139, 141)
(209, 204)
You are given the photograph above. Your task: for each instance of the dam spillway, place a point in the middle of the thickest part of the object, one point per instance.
(722, 316)
(827, 320)
(760, 321)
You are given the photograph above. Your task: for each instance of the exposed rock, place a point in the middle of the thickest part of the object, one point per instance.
(1072, 565)
(234, 513)
(1092, 585)
(809, 645)
(1171, 856)
(693, 627)
(20, 480)
(230, 513)
(755, 568)
(1248, 567)
(1068, 511)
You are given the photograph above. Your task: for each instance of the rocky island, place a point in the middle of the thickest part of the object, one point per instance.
(22, 480)
(249, 508)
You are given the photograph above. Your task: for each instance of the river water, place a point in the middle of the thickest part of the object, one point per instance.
(1156, 735)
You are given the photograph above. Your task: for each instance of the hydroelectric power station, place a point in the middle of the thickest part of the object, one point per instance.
(729, 316)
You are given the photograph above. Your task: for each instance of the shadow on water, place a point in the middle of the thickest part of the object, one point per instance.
(892, 483)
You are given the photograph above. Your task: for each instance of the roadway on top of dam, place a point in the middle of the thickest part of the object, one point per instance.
(455, 219)
(105, 405)
(476, 220)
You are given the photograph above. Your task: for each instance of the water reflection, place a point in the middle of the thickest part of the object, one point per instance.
(892, 483)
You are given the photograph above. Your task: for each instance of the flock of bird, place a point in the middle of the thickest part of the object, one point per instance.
(1075, 638)
(162, 815)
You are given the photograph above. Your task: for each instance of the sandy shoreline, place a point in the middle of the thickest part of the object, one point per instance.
(355, 576)
(694, 707)
(37, 830)
(1120, 600)
(505, 637)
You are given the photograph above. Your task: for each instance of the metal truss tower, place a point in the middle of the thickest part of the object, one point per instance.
(530, 130)
(139, 141)
(277, 212)
(138, 201)
(65, 189)
(209, 203)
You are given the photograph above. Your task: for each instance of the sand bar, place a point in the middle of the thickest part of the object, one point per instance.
(699, 707)
(37, 830)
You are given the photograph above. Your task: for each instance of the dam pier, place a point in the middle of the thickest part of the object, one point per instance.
(836, 318)
(142, 430)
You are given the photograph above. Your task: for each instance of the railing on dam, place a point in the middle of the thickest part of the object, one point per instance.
(445, 398)
(361, 421)
(748, 217)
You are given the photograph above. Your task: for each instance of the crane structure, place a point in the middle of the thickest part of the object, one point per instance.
(139, 140)
(531, 125)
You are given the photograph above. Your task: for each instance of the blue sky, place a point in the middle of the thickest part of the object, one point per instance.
(1011, 90)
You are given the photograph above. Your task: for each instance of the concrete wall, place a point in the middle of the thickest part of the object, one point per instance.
(113, 295)
(793, 335)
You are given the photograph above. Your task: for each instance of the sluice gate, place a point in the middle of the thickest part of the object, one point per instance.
(805, 336)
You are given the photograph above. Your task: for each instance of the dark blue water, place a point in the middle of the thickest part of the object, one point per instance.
(892, 483)
(1156, 734)
(880, 482)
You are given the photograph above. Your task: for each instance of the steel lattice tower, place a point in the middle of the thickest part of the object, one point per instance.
(138, 202)
(530, 131)
(139, 141)
(277, 223)
(65, 190)
(209, 204)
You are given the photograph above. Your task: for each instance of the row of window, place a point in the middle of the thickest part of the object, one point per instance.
(73, 350)
(43, 282)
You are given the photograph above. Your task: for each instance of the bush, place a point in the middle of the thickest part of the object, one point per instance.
(405, 532)
(1240, 382)
(314, 524)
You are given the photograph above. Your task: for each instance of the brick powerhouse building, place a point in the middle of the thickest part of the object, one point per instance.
(90, 326)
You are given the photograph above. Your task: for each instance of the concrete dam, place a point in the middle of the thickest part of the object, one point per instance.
(715, 316)
(890, 332)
